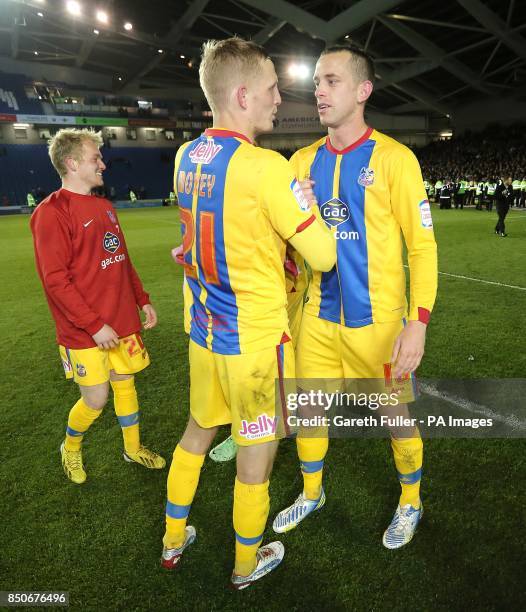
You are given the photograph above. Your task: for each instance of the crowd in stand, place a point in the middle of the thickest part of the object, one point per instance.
(473, 168)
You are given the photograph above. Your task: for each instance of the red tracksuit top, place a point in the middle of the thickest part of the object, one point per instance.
(83, 263)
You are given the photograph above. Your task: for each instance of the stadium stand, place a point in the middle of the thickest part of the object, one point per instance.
(27, 168)
(496, 151)
(13, 97)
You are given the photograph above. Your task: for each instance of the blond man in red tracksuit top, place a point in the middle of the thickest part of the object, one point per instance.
(94, 293)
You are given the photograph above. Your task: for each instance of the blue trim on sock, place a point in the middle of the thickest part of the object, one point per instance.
(309, 467)
(74, 433)
(177, 511)
(129, 420)
(411, 478)
(248, 541)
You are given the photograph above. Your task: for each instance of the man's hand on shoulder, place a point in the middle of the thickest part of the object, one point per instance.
(106, 337)
(408, 348)
(307, 186)
(151, 316)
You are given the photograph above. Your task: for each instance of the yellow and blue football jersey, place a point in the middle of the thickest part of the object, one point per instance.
(239, 204)
(371, 193)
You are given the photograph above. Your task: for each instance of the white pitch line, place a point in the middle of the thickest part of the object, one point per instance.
(511, 421)
(479, 280)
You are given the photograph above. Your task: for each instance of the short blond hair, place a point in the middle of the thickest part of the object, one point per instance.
(225, 61)
(68, 143)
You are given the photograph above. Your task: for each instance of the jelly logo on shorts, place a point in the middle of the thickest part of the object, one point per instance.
(204, 152)
(112, 216)
(81, 370)
(335, 212)
(111, 242)
(262, 427)
(425, 214)
(366, 177)
(300, 196)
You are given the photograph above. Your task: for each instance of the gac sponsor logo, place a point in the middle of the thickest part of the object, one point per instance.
(344, 235)
(262, 427)
(111, 242)
(111, 260)
(334, 212)
(204, 152)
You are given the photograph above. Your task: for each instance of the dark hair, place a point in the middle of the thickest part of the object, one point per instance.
(362, 63)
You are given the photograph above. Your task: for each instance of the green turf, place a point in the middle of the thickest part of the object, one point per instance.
(101, 541)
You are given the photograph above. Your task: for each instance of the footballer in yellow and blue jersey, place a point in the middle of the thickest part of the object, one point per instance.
(371, 193)
(238, 204)
(296, 281)
(232, 200)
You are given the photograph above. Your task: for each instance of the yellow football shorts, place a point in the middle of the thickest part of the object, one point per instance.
(327, 350)
(92, 366)
(241, 390)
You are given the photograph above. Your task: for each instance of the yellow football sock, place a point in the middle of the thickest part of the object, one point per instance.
(127, 411)
(251, 506)
(81, 416)
(183, 479)
(408, 455)
(311, 452)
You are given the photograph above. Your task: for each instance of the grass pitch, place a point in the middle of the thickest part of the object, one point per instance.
(101, 541)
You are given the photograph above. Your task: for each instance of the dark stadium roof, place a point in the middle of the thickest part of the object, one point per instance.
(430, 56)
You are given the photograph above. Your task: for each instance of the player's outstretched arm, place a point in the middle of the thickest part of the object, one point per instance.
(294, 217)
(316, 245)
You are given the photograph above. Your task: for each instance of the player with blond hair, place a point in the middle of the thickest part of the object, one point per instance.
(240, 205)
(94, 294)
